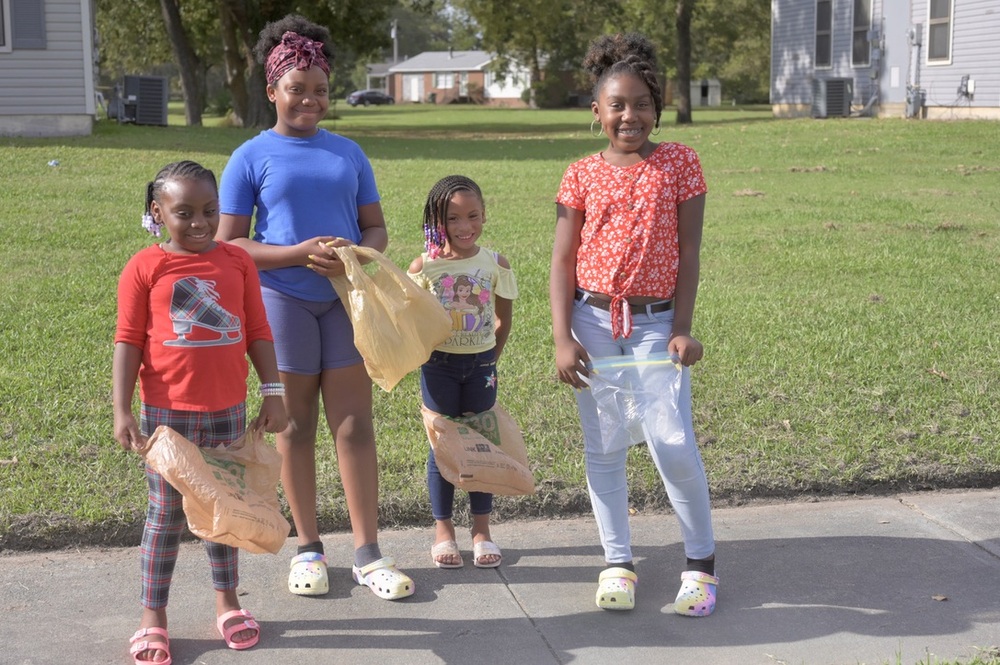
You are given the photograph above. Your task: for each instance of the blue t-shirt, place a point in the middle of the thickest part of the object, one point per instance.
(301, 188)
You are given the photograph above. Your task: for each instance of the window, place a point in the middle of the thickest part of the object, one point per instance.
(861, 48)
(444, 80)
(4, 26)
(22, 25)
(824, 34)
(939, 32)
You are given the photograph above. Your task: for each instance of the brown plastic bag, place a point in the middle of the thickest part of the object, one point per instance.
(484, 452)
(230, 494)
(397, 324)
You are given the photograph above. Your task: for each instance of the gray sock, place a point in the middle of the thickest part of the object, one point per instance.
(367, 554)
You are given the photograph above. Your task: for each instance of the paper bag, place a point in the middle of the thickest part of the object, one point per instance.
(229, 493)
(484, 452)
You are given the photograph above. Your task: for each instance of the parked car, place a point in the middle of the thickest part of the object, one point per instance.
(368, 97)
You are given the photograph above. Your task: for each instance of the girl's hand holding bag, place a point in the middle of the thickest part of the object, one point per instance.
(397, 324)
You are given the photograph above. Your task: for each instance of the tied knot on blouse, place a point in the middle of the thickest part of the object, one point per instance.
(621, 317)
(294, 52)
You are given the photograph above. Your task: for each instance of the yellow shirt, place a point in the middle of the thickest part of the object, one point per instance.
(468, 289)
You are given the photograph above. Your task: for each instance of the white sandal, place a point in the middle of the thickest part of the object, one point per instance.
(447, 548)
(486, 548)
(384, 579)
(616, 589)
(697, 595)
(308, 576)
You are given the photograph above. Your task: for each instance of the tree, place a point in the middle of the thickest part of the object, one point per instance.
(193, 29)
(683, 12)
(190, 65)
(144, 35)
(548, 37)
(732, 43)
(131, 36)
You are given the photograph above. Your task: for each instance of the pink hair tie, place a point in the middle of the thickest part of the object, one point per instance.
(294, 52)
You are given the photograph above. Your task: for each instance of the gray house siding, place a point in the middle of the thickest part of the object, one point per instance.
(975, 52)
(49, 91)
(880, 88)
(793, 57)
(792, 43)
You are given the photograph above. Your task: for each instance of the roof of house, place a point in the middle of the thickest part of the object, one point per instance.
(444, 61)
(378, 68)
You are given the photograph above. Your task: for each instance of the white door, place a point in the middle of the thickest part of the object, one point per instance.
(413, 87)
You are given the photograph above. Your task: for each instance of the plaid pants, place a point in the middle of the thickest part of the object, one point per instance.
(165, 520)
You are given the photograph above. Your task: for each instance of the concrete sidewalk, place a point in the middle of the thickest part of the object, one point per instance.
(903, 579)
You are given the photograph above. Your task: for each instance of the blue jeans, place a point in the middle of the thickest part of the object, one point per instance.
(680, 466)
(454, 384)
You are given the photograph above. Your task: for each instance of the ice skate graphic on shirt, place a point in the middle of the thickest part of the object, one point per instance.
(194, 304)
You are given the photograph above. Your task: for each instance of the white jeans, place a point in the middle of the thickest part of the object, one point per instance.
(680, 466)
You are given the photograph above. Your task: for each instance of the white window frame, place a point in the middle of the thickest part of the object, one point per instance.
(5, 36)
(444, 80)
(817, 33)
(931, 24)
(862, 32)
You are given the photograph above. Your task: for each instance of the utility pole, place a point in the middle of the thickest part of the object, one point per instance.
(395, 41)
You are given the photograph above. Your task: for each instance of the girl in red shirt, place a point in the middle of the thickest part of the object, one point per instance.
(189, 313)
(623, 281)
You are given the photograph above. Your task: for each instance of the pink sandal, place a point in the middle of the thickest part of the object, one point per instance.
(248, 623)
(139, 645)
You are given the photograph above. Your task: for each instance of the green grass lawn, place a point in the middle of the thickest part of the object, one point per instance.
(848, 306)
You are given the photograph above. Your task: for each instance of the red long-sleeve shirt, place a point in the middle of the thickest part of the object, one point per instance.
(194, 316)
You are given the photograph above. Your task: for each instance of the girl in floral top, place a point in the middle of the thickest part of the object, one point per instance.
(623, 282)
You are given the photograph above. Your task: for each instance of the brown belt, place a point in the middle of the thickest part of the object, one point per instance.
(652, 308)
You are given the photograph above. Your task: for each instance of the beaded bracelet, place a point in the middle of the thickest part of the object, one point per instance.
(272, 390)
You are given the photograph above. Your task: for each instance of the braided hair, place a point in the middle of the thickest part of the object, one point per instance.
(183, 170)
(630, 53)
(271, 35)
(436, 209)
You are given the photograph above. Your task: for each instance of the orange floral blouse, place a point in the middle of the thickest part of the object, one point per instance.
(628, 244)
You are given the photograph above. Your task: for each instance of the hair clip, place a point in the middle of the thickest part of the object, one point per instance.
(151, 225)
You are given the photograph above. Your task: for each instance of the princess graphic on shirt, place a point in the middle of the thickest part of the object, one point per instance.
(467, 299)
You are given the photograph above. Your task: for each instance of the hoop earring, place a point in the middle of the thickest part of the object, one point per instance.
(599, 133)
(657, 130)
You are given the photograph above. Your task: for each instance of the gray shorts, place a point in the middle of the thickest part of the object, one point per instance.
(310, 337)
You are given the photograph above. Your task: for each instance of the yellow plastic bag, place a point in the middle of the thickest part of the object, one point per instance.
(484, 452)
(397, 324)
(230, 494)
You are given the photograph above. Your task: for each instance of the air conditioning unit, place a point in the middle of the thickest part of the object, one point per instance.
(145, 100)
(832, 98)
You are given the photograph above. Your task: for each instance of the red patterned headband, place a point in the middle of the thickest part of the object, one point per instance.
(294, 52)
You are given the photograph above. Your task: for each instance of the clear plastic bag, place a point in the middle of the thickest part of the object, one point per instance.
(639, 399)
